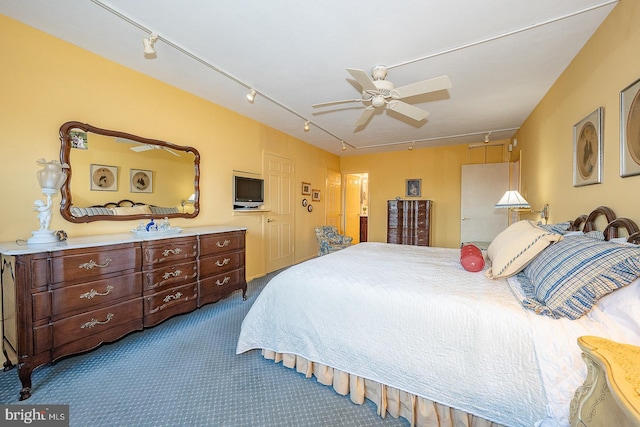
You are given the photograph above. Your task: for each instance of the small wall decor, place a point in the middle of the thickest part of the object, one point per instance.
(141, 181)
(315, 195)
(310, 208)
(79, 140)
(103, 178)
(304, 203)
(306, 188)
(630, 130)
(414, 188)
(587, 150)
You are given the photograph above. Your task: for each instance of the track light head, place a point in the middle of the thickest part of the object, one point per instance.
(251, 96)
(307, 126)
(149, 48)
(344, 146)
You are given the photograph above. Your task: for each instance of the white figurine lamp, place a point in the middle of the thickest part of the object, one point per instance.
(51, 179)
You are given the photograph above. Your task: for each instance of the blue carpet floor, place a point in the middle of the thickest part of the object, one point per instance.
(184, 372)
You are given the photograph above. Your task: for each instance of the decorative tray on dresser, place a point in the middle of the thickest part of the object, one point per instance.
(70, 297)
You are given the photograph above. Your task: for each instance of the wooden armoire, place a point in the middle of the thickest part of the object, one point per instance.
(409, 222)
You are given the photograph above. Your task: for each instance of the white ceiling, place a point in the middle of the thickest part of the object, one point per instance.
(502, 56)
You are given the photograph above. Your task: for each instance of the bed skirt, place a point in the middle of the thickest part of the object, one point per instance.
(418, 411)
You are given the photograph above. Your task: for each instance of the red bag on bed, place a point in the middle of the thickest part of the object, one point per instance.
(471, 258)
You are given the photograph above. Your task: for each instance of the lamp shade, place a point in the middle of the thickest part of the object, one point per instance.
(512, 199)
(52, 176)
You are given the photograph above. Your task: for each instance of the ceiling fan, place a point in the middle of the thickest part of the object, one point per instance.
(145, 147)
(378, 93)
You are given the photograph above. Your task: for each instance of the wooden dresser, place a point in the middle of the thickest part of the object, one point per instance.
(610, 395)
(409, 222)
(72, 297)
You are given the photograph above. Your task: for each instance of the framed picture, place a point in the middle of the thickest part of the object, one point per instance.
(79, 139)
(103, 178)
(414, 188)
(630, 130)
(587, 150)
(141, 181)
(306, 188)
(315, 195)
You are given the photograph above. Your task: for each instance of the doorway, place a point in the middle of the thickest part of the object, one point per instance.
(356, 197)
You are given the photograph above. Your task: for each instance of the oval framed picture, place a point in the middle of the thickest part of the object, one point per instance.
(310, 208)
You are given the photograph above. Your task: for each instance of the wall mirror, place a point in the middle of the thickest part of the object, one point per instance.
(116, 176)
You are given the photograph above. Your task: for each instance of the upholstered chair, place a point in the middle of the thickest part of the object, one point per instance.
(330, 240)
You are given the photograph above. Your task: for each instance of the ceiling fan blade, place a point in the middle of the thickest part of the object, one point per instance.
(144, 147)
(363, 79)
(408, 110)
(365, 116)
(327, 104)
(425, 86)
(171, 151)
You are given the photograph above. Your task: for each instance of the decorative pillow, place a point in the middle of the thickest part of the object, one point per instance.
(514, 248)
(471, 258)
(131, 210)
(623, 306)
(569, 277)
(76, 211)
(159, 210)
(559, 228)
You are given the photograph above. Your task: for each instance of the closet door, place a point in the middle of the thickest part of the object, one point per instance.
(482, 187)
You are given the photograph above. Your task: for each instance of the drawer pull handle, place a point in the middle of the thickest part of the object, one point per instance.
(172, 297)
(223, 263)
(89, 265)
(222, 245)
(224, 282)
(93, 322)
(168, 252)
(168, 274)
(93, 293)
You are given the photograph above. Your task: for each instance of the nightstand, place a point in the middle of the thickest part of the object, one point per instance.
(610, 395)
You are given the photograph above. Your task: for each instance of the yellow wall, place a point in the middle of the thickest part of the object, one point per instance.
(46, 82)
(439, 168)
(608, 63)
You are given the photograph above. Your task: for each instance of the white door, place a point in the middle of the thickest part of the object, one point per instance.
(333, 204)
(482, 187)
(352, 190)
(279, 223)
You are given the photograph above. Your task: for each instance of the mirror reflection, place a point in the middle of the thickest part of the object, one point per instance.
(116, 176)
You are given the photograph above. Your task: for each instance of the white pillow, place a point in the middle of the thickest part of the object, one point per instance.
(623, 305)
(514, 248)
(131, 210)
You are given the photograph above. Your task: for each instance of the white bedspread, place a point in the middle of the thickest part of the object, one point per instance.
(413, 318)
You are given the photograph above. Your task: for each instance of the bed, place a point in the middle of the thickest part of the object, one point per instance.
(410, 329)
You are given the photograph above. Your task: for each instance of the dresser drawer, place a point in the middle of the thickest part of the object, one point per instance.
(213, 265)
(222, 242)
(214, 288)
(96, 322)
(88, 296)
(170, 275)
(169, 250)
(86, 264)
(162, 305)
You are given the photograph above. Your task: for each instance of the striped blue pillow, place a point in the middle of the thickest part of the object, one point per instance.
(570, 276)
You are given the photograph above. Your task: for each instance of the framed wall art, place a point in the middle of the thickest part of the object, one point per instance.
(306, 188)
(141, 181)
(103, 178)
(315, 195)
(587, 150)
(414, 188)
(630, 130)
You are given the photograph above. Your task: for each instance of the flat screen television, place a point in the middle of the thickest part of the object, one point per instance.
(248, 193)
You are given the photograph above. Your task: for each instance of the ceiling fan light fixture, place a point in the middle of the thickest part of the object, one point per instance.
(377, 101)
(149, 46)
(251, 96)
